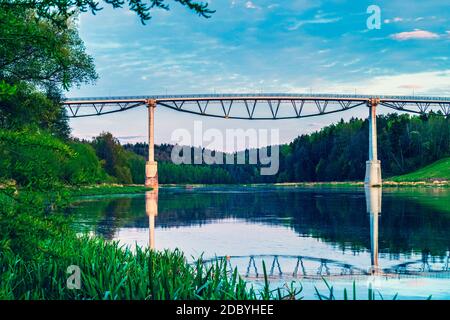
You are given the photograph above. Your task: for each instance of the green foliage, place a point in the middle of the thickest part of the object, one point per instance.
(38, 61)
(27, 222)
(110, 272)
(33, 50)
(136, 164)
(41, 161)
(84, 168)
(59, 11)
(172, 173)
(7, 89)
(32, 159)
(115, 158)
(439, 170)
(29, 108)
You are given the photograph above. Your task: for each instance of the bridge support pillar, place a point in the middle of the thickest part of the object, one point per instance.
(151, 167)
(373, 166)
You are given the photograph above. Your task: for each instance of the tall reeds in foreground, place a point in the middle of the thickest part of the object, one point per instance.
(109, 271)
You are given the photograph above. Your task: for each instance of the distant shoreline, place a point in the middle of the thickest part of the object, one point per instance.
(387, 183)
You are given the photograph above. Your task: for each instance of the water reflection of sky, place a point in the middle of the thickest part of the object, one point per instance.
(241, 238)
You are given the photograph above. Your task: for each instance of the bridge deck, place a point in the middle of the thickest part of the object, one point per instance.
(263, 106)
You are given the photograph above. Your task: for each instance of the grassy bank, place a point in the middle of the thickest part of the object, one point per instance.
(37, 246)
(436, 173)
(109, 272)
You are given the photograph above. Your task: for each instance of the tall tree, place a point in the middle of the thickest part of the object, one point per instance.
(38, 60)
(33, 50)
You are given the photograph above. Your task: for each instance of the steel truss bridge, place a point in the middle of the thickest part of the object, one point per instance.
(260, 107)
(305, 267)
(255, 106)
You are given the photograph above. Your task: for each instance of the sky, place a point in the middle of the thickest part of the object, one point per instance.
(296, 46)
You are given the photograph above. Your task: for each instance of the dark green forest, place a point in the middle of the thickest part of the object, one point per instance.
(338, 152)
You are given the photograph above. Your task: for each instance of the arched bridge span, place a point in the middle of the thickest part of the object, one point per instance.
(273, 106)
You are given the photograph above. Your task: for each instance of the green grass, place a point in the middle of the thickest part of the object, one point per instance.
(439, 170)
(111, 272)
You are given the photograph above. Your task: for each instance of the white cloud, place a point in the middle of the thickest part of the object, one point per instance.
(349, 63)
(250, 5)
(429, 83)
(394, 20)
(415, 34)
(329, 65)
(298, 24)
(410, 86)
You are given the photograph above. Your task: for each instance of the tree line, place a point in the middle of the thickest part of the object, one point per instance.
(337, 152)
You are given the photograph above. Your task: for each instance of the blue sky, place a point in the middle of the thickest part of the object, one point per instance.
(263, 46)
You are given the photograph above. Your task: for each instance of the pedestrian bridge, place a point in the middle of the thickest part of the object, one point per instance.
(264, 106)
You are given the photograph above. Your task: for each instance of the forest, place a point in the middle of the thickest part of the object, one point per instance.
(337, 152)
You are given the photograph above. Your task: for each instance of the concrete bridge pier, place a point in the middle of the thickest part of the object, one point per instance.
(373, 166)
(151, 167)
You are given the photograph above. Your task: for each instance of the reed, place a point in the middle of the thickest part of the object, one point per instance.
(113, 272)
(109, 271)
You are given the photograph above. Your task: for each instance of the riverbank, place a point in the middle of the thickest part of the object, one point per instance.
(337, 184)
(106, 189)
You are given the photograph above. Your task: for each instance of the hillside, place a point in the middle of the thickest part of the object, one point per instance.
(439, 170)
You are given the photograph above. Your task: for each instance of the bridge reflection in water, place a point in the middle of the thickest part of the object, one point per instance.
(307, 267)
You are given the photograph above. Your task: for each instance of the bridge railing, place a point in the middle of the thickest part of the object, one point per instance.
(259, 95)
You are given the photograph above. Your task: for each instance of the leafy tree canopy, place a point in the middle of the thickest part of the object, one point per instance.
(59, 11)
(33, 50)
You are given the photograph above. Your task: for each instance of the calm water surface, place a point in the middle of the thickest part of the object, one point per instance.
(396, 241)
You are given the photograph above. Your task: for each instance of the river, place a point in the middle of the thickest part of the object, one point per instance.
(392, 240)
